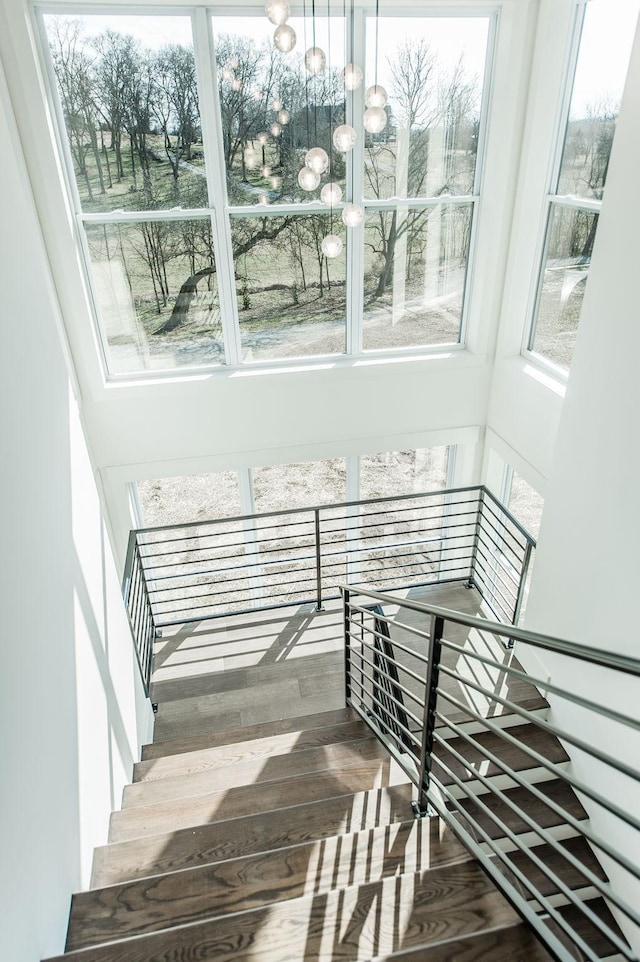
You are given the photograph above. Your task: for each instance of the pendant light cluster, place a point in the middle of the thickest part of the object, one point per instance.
(344, 137)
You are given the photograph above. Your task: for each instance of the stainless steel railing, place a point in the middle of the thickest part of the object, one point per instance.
(190, 572)
(456, 733)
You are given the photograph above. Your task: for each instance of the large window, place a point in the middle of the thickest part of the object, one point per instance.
(184, 136)
(416, 172)
(279, 487)
(580, 173)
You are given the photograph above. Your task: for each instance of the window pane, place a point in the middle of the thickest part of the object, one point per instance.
(302, 485)
(415, 269)
(526, 505)
(291, 298)
(605, 48)
(127, 88)
(198, 497)
(571, 233)
(432, 69)
(273, 110)
(156, 293)
(403, 472)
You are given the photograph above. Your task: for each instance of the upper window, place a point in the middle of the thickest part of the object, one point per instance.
(580, 174)
(204, 241)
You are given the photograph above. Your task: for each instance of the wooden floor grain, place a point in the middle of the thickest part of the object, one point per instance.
(180, 849)
(231, 736)
(253, 771)
(199, 760)
(247, 800)
(270, 876)
(353, 923)
(513, 943)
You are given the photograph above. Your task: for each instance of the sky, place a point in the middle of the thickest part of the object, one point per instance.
(604, 52)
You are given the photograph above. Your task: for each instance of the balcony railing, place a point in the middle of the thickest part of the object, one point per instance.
(191, 572)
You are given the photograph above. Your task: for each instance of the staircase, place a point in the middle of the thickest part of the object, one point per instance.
(292, 838)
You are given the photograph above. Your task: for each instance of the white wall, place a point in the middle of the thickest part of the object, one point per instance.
(72, 713)
(584, 586)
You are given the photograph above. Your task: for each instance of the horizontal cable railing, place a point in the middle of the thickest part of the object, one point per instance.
(190, 572)
(444, 724)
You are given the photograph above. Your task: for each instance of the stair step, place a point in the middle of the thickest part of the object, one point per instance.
(163, 901)
(351, 923)
(254, 771)
(591, 935)
(214, 739)
(556, 790)
(186, 848)
(513, 943)
(188, 763)
(511, 755)
(249, 678)
(250, 799)
(558, 864)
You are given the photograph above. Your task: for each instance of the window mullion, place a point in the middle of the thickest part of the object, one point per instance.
(355, 28)
(216, 181)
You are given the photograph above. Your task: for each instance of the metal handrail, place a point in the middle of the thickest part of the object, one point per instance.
(597, 656)
(442, 770)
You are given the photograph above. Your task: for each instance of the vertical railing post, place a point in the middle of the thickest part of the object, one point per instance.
(521, 588)
(472, 583)
(421, 806)
(346, 616)
(128, 568)
(144, 644)
(318, 562)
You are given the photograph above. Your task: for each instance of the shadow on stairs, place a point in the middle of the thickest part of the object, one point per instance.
(288, 839)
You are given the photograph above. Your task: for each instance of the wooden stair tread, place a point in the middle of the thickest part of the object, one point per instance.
(595, 939)
(358, 920)
(213, 739)
(558, 864)
(511, 755)
(555, 790)
(335, 757)
(249, 799)
(180, 849)
(187, 763)
(511, 943)
(246, 679)
(151, 904)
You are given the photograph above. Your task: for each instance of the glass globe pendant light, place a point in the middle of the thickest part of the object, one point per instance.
(351, 76)
(352, 215)
(315, 60)
(331, 245)
(375, 119)
(344, 138)
(278, 11)
(266, 171)
(308, 179)
(284, 38)
(284, 117)
(276, 104)
(317, 160)
(376, 96)
(276, 130)
(263, 137)
(331, 194)
(375, 116)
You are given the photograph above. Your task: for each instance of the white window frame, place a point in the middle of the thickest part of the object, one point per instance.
(220, 212)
